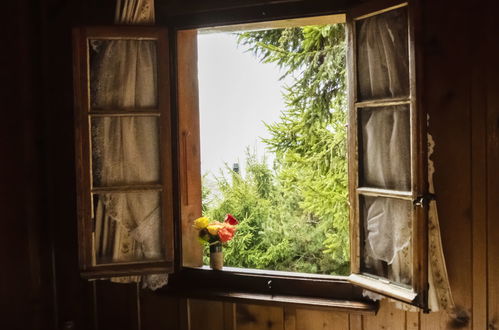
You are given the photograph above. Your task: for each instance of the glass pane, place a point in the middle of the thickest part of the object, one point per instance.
(128, 227)
(125, 151)
(385, 147)
(383, 56)
(123, 74)
(387, 246)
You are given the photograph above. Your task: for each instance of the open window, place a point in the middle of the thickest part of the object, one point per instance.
(387, 160)
(128, 156)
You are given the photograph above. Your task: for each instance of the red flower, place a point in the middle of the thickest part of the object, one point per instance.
(229, 218)
(226, 233)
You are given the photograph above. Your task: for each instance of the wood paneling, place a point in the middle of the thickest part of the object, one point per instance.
(206, 315)
(318, 320)
(153, 304)
(117, 306)
(447, 99)
(388, 318)
(492, 118)
(259, 317)
(461, 80)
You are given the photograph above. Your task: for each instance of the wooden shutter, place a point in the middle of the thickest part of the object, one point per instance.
(189, 146)
(373, 104)
(90, 192)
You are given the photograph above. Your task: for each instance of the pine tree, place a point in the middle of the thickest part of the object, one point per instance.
(295, 216)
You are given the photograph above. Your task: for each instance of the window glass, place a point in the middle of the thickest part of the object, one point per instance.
(123, 74)
(385, 147)
(382, 56)
(387, 248)
(127, 227)
(125, 151)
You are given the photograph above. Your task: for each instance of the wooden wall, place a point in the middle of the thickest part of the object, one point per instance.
(40, 285)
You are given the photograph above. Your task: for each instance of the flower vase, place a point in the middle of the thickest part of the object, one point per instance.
(216, 257)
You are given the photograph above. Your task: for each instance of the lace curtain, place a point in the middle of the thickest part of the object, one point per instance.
(125, 149)
(384, 142)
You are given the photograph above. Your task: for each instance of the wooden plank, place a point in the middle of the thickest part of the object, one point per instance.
(412, 320)
(229, 316)
(388, 318)
(325, 304)
(206, 315)
(447, 101)
(479, 166)
(289, 318)
(492, 166)
(117, 306)
(435, 321)
(257, 317)
(189, 145)
(384, 287)
(118, 113)
(158, 311)
(377, 192)
(317, 320)
(277, 24)
(127, 189)
(383, 102)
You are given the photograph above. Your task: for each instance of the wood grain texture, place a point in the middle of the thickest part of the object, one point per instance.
(388, 318)
(117, 306)
(158, 311)
(492, 275)
(479, 167)
(447, 101)
(318, 320)
(259, 317)
(189, 150)
(206, 315)
(450, 94)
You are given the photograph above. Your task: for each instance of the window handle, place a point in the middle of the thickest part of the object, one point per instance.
(423, 200)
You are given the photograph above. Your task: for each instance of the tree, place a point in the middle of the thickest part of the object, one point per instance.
(295, 216)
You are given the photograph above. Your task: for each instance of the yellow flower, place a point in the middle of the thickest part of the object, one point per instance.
(201, 223)
(213, 228)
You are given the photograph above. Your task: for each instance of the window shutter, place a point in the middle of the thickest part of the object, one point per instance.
(387, 162)
(123, 151)
(189, 146)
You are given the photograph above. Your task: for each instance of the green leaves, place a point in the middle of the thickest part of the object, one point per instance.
(294, 216)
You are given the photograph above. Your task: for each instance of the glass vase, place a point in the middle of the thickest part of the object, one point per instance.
(216, 257)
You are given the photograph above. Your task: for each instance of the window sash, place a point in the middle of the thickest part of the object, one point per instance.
(83, 115)
(417, 293)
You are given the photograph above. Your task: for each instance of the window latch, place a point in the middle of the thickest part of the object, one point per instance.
(423, 200)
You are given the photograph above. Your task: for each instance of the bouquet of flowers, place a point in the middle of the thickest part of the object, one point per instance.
(215, 232)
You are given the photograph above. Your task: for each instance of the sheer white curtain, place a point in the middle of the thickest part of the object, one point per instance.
(385, 144)
(383, 72)
(125, 149)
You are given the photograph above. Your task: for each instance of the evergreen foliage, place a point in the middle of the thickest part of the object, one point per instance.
(294, 216)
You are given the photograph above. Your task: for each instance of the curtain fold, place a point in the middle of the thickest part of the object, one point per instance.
(125, 149)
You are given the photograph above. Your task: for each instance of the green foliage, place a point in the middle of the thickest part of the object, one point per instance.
(294, 216)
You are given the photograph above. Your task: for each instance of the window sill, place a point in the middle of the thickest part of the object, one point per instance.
(270, 287)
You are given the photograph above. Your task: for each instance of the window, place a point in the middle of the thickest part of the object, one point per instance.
(128, 194)
(123, 145)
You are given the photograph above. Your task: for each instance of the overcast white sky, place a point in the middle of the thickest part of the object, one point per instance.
(237, 94)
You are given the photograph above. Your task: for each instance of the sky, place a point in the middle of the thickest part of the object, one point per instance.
(237, 94)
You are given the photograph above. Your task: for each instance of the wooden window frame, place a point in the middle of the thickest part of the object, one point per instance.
(84, 184)
(189, 279)
(418, 293)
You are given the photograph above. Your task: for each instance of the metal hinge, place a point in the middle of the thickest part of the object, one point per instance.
(423, 200)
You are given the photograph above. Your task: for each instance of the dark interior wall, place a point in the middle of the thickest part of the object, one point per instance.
(25, 290)
(40, 287)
